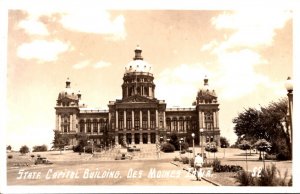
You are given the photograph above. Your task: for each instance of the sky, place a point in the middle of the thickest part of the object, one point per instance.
(247, 55)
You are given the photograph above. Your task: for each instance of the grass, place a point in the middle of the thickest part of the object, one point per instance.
(224, 178)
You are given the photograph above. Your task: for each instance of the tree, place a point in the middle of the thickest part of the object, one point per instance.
(24, 149)
(8, 148)
(82, 139)
(224, 142)
(264, 123)
(40, 148)
(59, 140)
(245, 145)
(262, 145)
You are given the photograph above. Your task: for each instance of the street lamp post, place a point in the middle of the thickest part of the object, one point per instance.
(180, 142)
(201, 136)
(289, 88)
(193, 136)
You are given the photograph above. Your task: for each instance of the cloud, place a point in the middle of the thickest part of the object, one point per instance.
(250, 29)
(101, 64)
(42, 50)
(238, 52)
(34, 27)
(81, 64)
(180, 81)
(98, 22)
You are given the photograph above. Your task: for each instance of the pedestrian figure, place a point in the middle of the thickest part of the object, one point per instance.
(198, 162)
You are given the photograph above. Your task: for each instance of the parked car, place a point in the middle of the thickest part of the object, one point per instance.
(42, 160)
(133, 148)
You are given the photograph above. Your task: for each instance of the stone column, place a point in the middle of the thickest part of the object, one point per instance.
(217, 120)
(117, 120)
(92, 125)
(171, 124)
(125, 138)
(184, 124)
(164, 120)
(214, 119)
(141, 119)
(178, 124)
(203, 122)
(98, 125)
(124, 120)
(148, 119)
(200, 119)
(132, 120)
(71, 123)
(85, 126)
(58, 122)
(149, 138)
(156, 119)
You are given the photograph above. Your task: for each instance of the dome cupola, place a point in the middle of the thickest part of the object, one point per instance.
(138, 64)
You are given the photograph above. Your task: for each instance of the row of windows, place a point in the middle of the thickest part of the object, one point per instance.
(101, 126)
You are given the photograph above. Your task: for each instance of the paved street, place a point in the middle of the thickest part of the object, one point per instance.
(150, 172)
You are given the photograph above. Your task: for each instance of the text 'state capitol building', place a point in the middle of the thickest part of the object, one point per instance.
(138, 118)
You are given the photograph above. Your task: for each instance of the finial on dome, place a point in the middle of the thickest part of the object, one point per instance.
(205, 80)
(68, 83)
(79, 95)
(138, 52)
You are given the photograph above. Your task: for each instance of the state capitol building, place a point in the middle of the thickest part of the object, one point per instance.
(138, 118)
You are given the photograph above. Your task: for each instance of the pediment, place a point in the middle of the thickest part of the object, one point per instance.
(138, 99)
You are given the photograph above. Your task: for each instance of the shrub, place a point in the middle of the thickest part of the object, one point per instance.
(184, 146)
(32, 156)
(10, 156)
(24, 149)
(167, 147)
(245, 178)
(268, 177)
(185, 160)
(217, 167)
(118, 157)
(270, 157)
(38, 155)
(40, 148)
(176, 159)
(192, 162)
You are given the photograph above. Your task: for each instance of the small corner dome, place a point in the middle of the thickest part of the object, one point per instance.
(206, 89)
(68, 92)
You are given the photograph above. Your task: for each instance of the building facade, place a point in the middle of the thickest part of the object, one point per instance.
(138, 118)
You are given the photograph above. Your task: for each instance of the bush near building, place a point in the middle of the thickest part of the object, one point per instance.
(167, 147)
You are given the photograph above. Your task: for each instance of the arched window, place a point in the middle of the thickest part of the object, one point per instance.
(89, 126)
(65, 124)
(95, 126)
(168, 122)
(181, 124)
(152, 119)
(81, 126)
(136, 119)
(144, 119)
(175, 124)
(128, 120)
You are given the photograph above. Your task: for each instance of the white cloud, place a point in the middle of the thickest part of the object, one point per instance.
(81, 64)
(173, 85)
(250, 28)
(98, 22)
(101, 64)
(42, 50)
(34, 27)
(237, 53)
